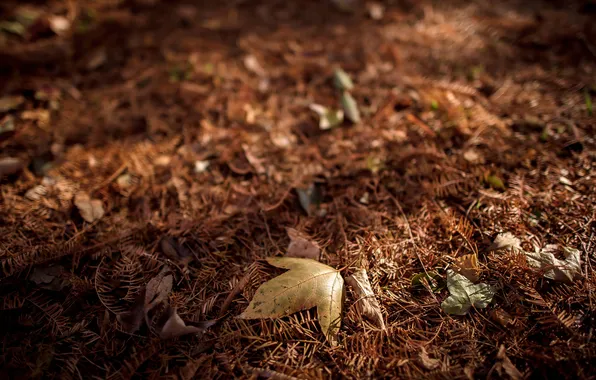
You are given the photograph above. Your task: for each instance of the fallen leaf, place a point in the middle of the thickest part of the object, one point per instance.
(132, 320)
(13, 27)
(495, 182)
(464, 294)
(175, 251)
(59, 24)
(302, 247)
(505, 241)
(350, 107)
(90, 209)
(307, 284)
(433, 279)
(157, 291)
(507, 365)
(253, 65)
(342, 80)
(501, 317)
(10, 165)
(327, 118)
(366, 304)
(375, 10)
(467, 265)
(426, 361)
(309, 198)
(45, 275)
(175, 326)
(559, 270)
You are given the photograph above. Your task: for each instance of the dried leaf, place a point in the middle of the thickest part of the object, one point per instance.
(59, 24)
(131, 320)
(175, 326)
(157, 291)
(10, 165)
(309, 198)
(464, 294)
(307, 284)
(342, 80)
(559, 270)
(45, 275)
(175, 251)
(366, 304)
(507, 365)
(90, 209)
(350, 107)
(505, 241)
(252, 64)
(426, 361)
(467, 265)
(302, 247)
(10, 103)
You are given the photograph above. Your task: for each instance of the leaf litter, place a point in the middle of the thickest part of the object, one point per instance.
(402, 227)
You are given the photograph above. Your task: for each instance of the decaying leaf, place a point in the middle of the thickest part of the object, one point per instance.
(366, 304)
(175, 251)
(307, 284)
(90, 209)
(309, 198)
(467, 265)
(505, 241)
(342, 80)
(464, 294)
(426, 361)
(350, 107)
(302, 247)
(157, 291)
(327, 118)
(132, 320)
(175, 326)
(45, 275)
(507, 366)
(559, 270)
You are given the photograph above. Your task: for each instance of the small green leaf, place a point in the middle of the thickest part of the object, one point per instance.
(434, 105)
(464, 294)
(13, 27)
(342, 80)
(495, 182)
(350, 107)
(434, 280)
(588, 99)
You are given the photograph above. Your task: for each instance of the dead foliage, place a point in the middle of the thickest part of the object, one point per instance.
(152, 153)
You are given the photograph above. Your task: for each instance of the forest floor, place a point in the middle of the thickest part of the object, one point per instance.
(141, 138)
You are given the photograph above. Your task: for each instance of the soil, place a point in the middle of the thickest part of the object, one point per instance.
(178, 134)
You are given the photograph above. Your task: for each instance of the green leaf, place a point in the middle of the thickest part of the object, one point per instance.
(342, 80)
(307, 284)
(464, 294)
(495, 182)
(350, 107)
(13, 27)
(588, 99)
(434, 280)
